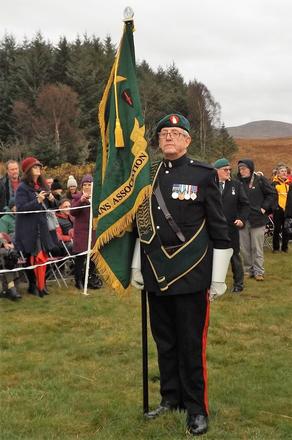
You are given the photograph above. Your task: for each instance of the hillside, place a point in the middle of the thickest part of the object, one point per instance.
(262, 129)
(266, 153)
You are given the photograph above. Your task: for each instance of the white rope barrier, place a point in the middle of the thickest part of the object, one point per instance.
(44, 210)
(56, 260)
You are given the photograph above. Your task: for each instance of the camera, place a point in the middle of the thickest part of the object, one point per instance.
(11, 259)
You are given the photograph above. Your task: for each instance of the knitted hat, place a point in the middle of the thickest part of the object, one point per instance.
(246, 163)
(174, 120)
(86, 179)
(71, 181)
(28, 163)
(56, 185)
(220, 163)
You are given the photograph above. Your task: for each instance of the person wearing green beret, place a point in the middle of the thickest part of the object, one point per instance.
(236, 210)
(185, 252)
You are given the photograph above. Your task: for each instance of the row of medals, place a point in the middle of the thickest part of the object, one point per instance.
(184, 192)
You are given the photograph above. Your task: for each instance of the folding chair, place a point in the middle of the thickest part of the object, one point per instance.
(54, 270)
(60, 270)
(67, 266)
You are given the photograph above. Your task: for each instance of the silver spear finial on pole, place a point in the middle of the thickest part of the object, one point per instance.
(128, 14)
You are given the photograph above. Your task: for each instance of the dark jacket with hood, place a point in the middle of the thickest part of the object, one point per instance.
(260, 193)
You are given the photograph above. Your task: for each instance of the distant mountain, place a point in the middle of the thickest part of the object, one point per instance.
(262, 129)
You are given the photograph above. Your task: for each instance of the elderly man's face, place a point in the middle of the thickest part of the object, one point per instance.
(224, 173)
(282, 172)
(173, 142)
(13, 170)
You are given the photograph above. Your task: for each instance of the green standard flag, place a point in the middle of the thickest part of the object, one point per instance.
(122, 176)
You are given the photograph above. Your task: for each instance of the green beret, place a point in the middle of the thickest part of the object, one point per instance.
(174, 120)
(220, 163)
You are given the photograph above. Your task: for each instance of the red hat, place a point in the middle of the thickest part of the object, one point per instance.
(28, 163)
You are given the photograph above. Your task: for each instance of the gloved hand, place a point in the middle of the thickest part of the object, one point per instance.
(217, 289)
(137, 279)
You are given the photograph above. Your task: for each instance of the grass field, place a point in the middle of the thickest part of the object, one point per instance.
(71, 365)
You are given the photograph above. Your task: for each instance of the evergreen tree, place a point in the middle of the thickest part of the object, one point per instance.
(34, 68)
(8, 81)
(61, 59)
(224, 145)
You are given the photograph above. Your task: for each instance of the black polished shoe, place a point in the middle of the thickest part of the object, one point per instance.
(160, 410)
(197, 424)
(237, 289)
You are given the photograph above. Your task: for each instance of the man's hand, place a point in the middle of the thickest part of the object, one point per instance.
(238, 223)
(216, 290)
(263, 210)
(8, 245)
(137, 279)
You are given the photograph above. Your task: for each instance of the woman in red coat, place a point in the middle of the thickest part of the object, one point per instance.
(81, 231)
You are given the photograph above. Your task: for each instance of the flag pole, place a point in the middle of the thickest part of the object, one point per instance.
(88, 249)
(144, 351)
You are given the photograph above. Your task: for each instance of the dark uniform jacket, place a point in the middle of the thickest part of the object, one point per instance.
(235, 206)
(189, 215)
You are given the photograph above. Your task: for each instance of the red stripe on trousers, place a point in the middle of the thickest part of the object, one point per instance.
(204, 348)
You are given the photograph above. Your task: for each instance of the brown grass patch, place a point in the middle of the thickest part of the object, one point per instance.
(266, 153)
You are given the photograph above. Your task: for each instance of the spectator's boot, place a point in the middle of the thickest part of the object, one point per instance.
(13, 294)
(79, 284)
(45, 290)
(33, 290)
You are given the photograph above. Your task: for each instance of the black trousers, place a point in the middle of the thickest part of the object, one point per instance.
(279, 219)
(179, 326)
(237, 270)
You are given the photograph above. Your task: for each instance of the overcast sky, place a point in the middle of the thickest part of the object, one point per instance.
(240, 49)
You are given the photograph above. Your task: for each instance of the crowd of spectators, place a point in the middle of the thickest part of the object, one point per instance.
(37, 223)
(57, 230)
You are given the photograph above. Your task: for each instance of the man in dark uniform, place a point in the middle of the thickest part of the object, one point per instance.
(236, 210)
(178, 228)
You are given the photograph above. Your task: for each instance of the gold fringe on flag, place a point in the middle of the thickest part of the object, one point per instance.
(123, 223)
(114, 231)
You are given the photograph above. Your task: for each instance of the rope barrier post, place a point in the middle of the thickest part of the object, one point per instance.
(88, 249)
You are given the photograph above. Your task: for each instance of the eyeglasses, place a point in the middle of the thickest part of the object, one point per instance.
(174, 134)
(227, 169)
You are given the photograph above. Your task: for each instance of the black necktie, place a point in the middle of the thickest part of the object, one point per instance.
(221, 187)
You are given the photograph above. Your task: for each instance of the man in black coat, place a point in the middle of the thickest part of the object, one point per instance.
(262, 197)
(179, 227)
(9, 183)
(236, 210)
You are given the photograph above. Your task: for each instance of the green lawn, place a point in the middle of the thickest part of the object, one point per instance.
(71, 365)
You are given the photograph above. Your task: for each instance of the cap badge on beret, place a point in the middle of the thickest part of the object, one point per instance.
(174, 119)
